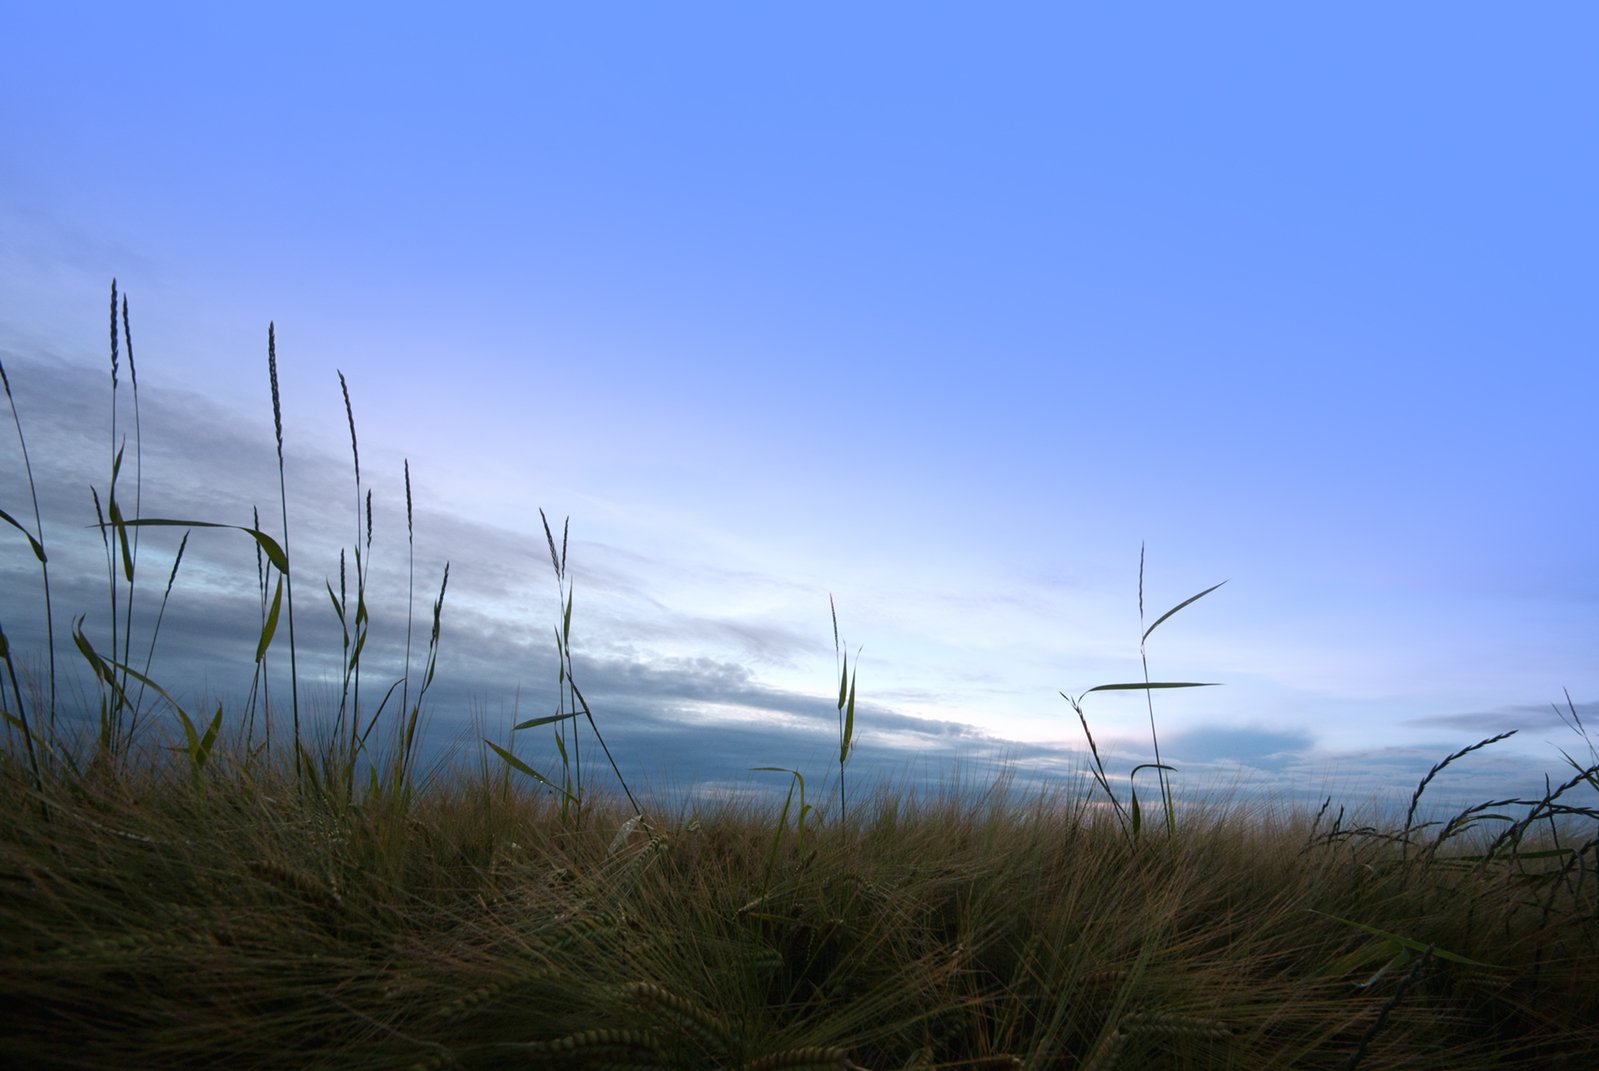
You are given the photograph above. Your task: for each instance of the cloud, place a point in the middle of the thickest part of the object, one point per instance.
(682, 693)
(704, 719)
(1529, 718)
(1263, 749)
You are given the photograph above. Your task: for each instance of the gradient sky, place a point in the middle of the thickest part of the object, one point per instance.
(942, 310)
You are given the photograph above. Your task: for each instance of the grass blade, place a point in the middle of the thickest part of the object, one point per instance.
(270, 627)
(38, 547)
(1145, 686)
(269, 545)
(523, 768)
(1179, 606)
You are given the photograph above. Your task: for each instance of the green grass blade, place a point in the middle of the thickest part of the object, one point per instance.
(523, 768)
(1142, 686)
(210, 736)
(548, 719)
(102, 668)
(200, 750)
(38, 548)
(355, 652)
(268, 545)
(107, 669)
(1174, 609)
(560, 747)
(270, 626)
(848, 735)
(120, 526)
(1405, 942)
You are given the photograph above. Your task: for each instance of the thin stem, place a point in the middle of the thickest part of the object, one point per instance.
(288, 574)
(1149, 699)
(38, 537)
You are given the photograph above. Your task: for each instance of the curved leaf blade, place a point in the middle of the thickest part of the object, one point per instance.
(1179, 606)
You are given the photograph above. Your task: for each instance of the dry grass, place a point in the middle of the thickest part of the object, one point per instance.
(150, 922)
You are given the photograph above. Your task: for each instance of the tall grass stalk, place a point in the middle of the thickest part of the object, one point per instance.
(260, 691)
(410, 588)
(402, 778)
(570, 706)
(846, 705)
(1149, 696)
(354, 631)
(20, 721)
(405, 745)
(138, 511)
(119, 707)
(109, 537)
(1130, 817)
(122, 686)
(288, 576)
(115, 703)
(1415, 798)
(796, 784)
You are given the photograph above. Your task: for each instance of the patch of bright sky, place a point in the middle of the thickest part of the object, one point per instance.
(942, 310)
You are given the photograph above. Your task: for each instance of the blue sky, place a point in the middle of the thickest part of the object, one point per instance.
(941, 310)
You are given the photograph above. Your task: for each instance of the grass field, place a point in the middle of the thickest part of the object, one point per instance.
(260, 888)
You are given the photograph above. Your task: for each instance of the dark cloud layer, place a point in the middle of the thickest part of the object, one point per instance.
(690, 724)
(198, 464)
(1530, 719)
